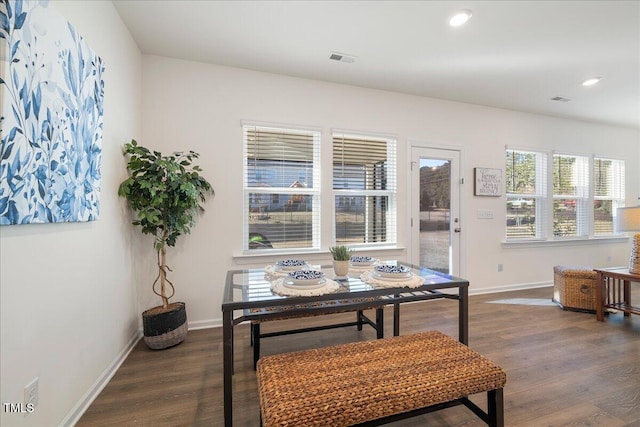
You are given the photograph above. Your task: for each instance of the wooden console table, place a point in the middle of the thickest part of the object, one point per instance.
(614, 291)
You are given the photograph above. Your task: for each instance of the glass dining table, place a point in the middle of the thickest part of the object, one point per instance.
(249, 296)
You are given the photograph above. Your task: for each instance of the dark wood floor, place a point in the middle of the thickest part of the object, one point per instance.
(563, 368)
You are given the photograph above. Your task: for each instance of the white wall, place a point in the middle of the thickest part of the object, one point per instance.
(68, 299)
(189, 105)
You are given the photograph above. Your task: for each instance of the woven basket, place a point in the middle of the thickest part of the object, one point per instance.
(163, 329)
(575, 288)
(167, 340)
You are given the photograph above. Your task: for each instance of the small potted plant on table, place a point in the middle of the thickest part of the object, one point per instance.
(341, 256)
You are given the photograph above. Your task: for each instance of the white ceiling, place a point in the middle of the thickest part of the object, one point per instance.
(511, 54)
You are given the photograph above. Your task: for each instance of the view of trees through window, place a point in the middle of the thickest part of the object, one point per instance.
(608, 188)
(524, 187)
(435, 213)
(575, 188)
(570, 194)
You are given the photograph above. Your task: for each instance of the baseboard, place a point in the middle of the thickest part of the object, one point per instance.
(507, 288)
(205, 324)
(83, 404)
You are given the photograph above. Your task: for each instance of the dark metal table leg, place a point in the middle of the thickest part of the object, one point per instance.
(463, 315)
(380, 322)
(227, 356)
(495, 408)
(255, 327)
(396, 319)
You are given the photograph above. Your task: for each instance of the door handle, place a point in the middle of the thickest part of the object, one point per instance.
(456, 230)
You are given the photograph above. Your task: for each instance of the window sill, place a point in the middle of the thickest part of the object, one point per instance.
(269, 256)
(563, 242)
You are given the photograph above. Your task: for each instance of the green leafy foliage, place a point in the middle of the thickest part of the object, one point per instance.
(340, 253)
(165, 192)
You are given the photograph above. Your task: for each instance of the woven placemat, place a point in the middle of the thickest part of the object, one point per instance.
(278, 287)
(359, 269)
(411, 282)
(271, 273)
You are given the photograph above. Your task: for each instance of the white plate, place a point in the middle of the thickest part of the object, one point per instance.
(305, 277)
(319, 284)
(361, 264)
(395, 278)
(362, 261)
(392, 271)
(289, 269)
(301, 266)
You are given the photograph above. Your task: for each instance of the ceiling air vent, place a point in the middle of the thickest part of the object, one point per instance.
(342, 57)
(560, 99)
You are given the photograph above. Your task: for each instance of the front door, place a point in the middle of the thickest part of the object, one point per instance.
(435, 209)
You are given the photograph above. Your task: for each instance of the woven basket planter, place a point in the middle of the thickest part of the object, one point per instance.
(164, 329)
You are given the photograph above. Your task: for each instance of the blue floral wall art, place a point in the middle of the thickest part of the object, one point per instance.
(51, 100)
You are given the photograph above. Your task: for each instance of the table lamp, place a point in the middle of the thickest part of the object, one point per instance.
(628, 219)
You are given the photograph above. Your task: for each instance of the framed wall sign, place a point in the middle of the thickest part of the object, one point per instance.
(488, 182)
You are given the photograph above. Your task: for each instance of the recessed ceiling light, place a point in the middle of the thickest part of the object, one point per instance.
(460, 18)
(591, 81)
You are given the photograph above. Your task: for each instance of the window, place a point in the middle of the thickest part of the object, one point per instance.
(281, 188)
(585, 193)
(608, 188)
(526, 191)
(364, 188)
(570, 195)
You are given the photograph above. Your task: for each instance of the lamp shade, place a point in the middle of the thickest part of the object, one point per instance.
(628, 219)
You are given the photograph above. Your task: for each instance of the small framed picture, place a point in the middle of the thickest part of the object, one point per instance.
(488, 182)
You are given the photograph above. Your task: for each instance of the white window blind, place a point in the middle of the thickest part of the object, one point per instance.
(608, 189)
(584, 193)
(364, 186)
(526, 192)
(570, 195)
(281, 188)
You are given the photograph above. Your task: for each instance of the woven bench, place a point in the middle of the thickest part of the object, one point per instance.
(376, 382)
(574, 288)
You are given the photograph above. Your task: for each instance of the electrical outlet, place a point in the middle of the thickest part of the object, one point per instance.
(31, 394)
(500, 267)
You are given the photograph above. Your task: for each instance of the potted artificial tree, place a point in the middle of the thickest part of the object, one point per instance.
(166, 193)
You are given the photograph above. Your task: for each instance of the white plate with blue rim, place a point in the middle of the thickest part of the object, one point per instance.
(305, 279)
(394, 272)
(362, 261)
(291, 264)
